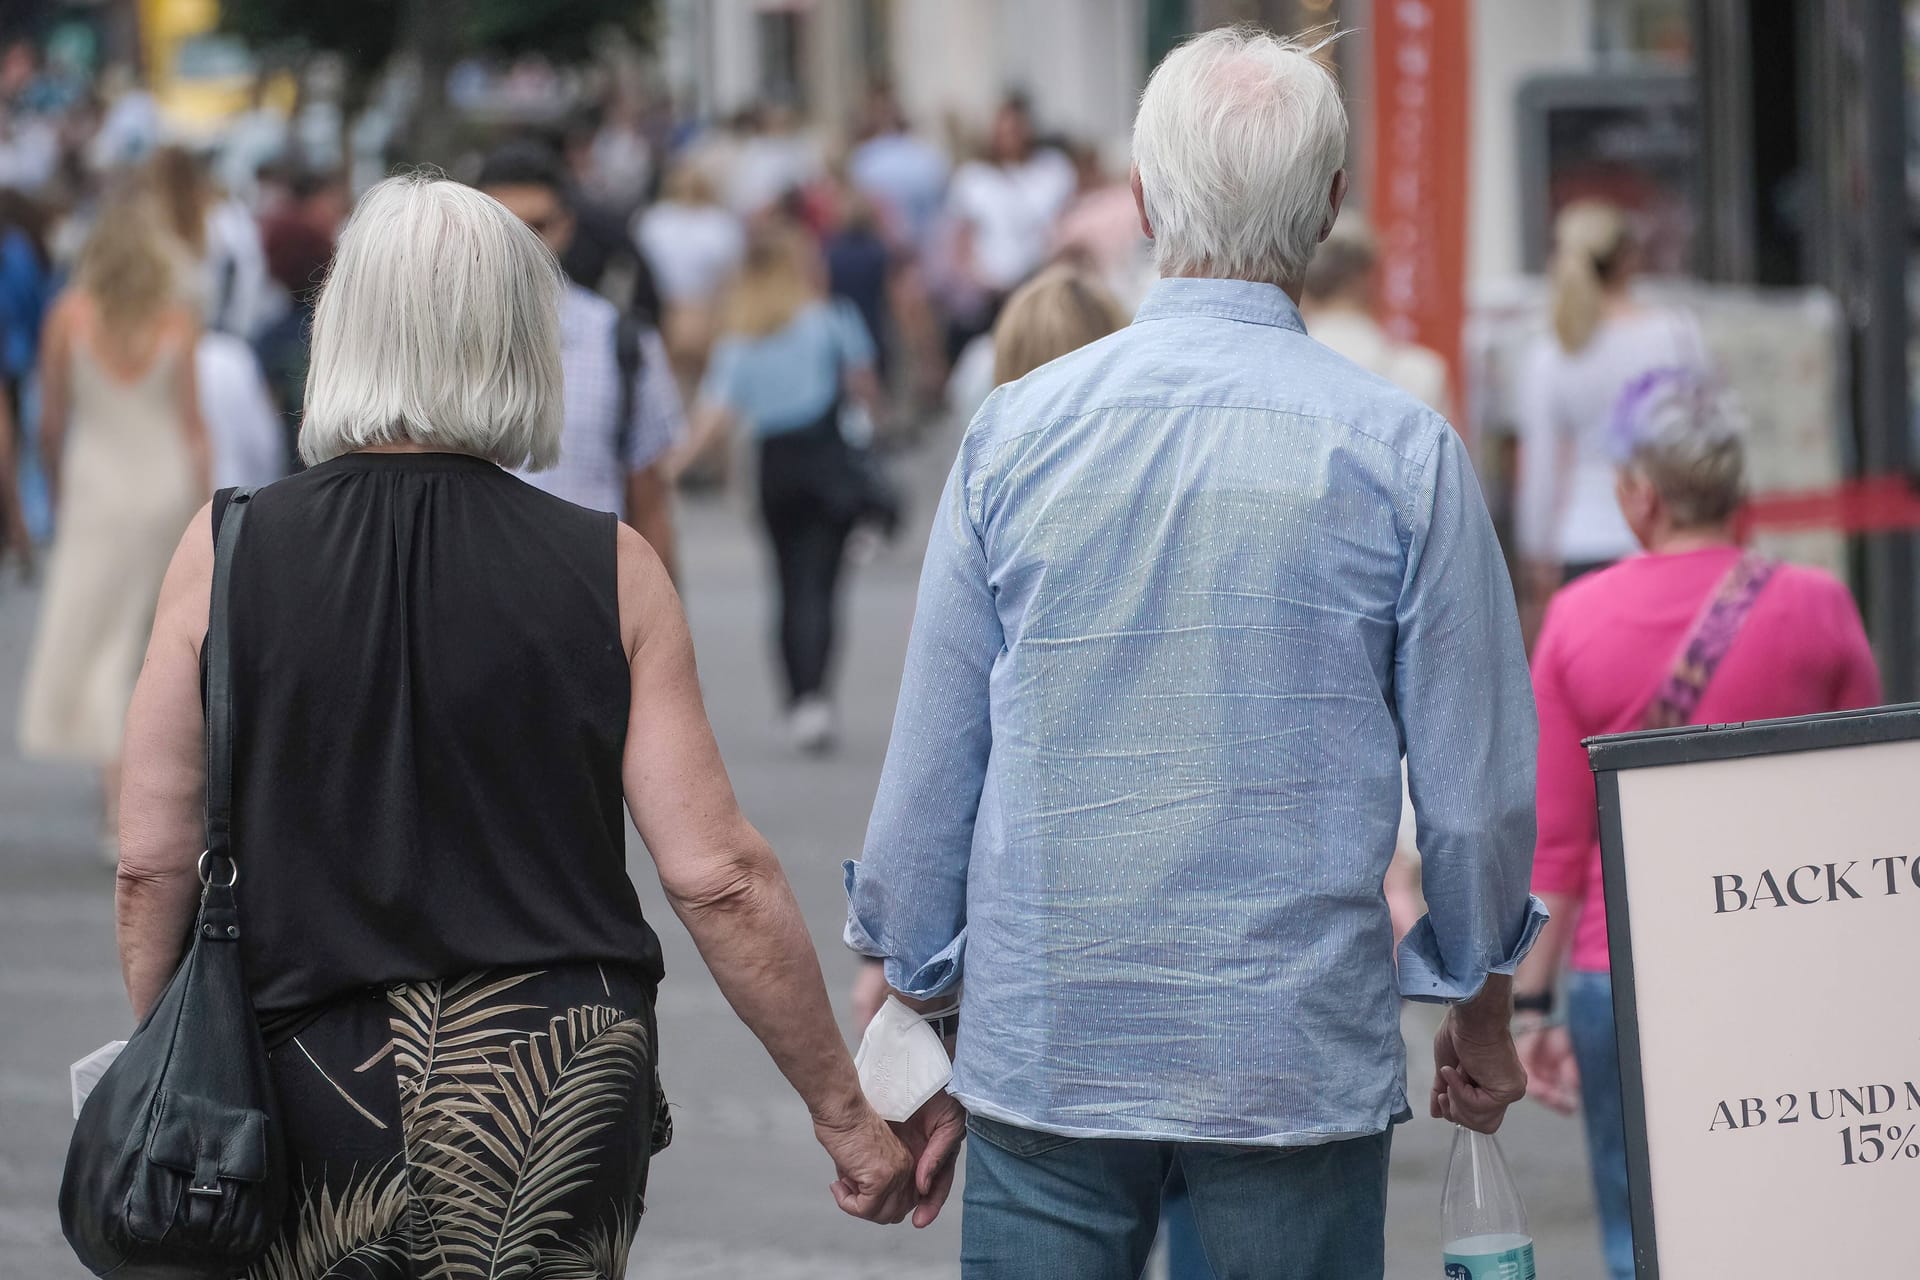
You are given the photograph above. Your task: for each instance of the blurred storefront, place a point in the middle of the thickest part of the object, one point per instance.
(1764, 147)
(1080, 62)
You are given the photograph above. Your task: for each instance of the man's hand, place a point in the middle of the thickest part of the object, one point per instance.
(933, 1135)
(1553, 1076)
(1477, 1073)
(870, 991)
(876, 1173)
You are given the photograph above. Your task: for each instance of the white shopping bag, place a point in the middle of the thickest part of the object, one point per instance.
(86, 1073)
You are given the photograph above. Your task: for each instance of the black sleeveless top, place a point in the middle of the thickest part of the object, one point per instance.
(430, 709)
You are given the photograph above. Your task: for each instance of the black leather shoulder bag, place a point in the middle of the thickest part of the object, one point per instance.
(176, 1170)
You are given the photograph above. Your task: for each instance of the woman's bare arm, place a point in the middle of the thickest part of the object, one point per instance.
(710, 422)
(164, 778)
(728, 889)
(56, 391)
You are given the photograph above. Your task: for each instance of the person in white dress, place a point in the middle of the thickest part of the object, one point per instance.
(127, 462)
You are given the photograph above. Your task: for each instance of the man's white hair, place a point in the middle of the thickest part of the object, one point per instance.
(1237, 140)
(439, 326)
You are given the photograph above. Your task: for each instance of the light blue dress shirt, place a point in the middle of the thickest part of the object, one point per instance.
(1190, 593)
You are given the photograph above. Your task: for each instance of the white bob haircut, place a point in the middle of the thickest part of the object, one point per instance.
(438, 326)
(1237, 139)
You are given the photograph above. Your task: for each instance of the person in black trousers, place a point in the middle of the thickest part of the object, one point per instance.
(796, 370)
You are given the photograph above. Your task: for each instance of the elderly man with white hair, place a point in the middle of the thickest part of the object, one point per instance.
(1191, 593)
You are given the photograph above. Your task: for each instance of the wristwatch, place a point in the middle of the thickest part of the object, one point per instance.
(1540, 1002)
(946, 1023)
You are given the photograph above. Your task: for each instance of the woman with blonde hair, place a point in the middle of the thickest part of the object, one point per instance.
(1060, 310)
(443, 683)
(223, 266)
(127, 463)
(788, 363)
(694, 244)
(1603, 338)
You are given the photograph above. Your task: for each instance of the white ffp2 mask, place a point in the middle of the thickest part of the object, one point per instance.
(901, 1062)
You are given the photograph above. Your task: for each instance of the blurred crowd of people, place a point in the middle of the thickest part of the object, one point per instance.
(739, 273)
(925, 238)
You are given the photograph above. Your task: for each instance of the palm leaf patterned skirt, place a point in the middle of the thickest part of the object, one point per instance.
(495, 1125)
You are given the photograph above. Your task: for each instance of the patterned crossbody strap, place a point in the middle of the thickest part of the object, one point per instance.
(1712, 635)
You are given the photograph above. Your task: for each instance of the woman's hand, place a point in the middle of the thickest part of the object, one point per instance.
(710, 423)
(1553, 1074)
(876, 1179)
(163, 778)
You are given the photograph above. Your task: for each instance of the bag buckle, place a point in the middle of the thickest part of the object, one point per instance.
(206, 1176)
(233, 870)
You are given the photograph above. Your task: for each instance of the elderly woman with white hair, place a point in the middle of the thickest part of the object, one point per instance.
(1697, 630)
(444, 683)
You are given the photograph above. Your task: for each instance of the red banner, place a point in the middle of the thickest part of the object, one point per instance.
(1419, 181)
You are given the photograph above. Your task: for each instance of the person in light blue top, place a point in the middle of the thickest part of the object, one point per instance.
(1191, 593)
(789, 367)
(784, 381)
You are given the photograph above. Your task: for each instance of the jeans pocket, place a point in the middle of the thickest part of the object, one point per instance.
(1025, 1143)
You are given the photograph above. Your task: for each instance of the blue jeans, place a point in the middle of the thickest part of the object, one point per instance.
(1590, 1023)
(1043, 1207)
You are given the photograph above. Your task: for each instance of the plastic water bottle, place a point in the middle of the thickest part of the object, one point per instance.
(1481, 1218)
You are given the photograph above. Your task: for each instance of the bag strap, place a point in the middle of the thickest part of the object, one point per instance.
(219, 688)
(1708, 642)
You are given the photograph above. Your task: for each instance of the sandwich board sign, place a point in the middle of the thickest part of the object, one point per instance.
(1763, 908)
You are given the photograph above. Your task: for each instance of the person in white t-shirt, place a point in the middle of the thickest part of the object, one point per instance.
(778, 157)
(249, 442)
(1003, 208)
(1603, 338)
(694, 244)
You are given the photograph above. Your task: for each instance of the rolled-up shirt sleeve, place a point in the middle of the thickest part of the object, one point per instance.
(1465, 707)
(907, 896)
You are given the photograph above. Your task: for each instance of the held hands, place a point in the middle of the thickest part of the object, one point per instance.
(932, 1134)
(1477, 1073)
(876, 1179)
(1553, 1075)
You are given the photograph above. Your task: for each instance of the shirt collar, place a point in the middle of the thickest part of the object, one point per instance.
(1246, 300)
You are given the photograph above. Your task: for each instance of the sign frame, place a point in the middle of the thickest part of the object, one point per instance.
(1690, 744)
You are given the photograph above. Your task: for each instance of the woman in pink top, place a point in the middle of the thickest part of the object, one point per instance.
(1787, 640)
